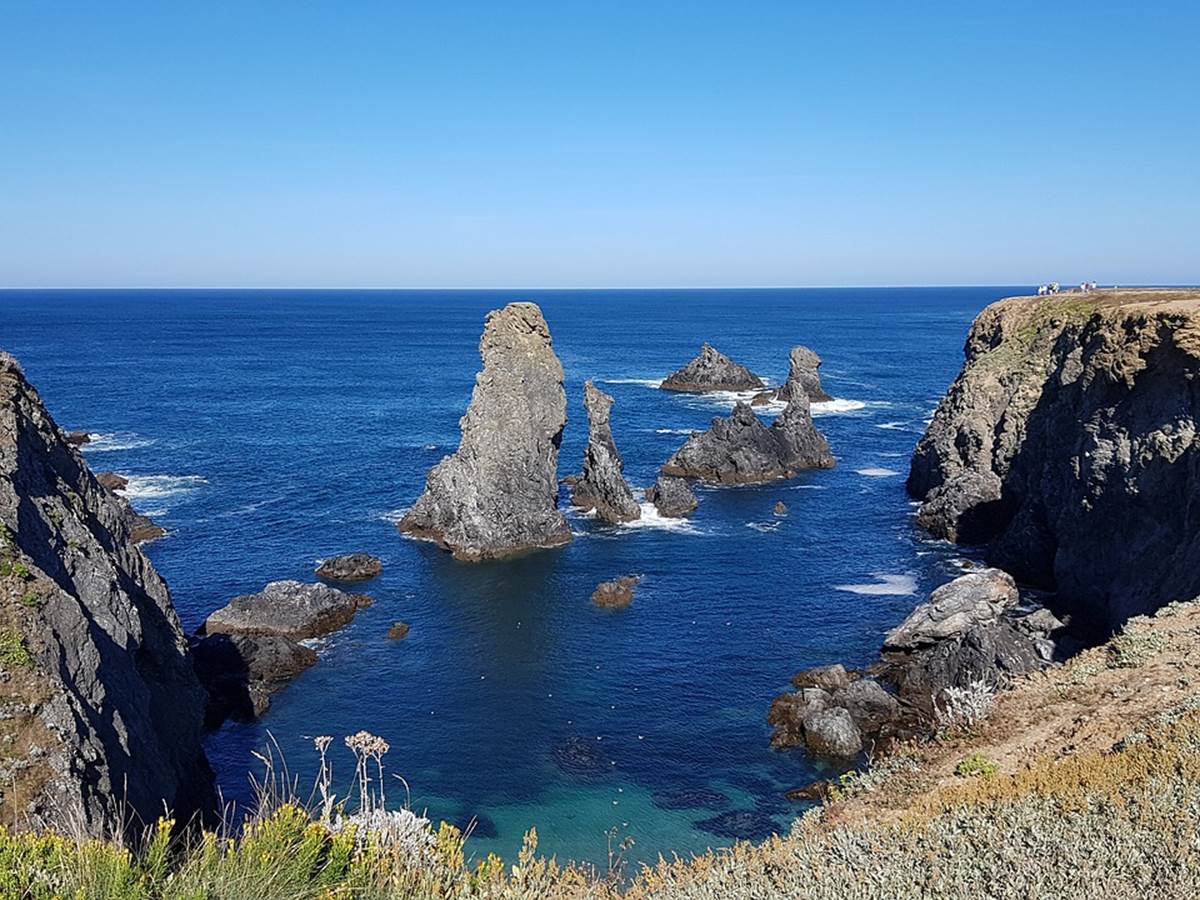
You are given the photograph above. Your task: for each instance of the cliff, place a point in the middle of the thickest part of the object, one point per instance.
(100, 712)
(1067, 446)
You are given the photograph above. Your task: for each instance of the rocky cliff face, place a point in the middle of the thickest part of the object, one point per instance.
(497, 494)
(742, 450)
(99, 707)
(602, 485)
(1067, 445)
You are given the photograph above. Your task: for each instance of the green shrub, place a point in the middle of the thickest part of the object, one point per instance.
(13, 652)
(976, 764)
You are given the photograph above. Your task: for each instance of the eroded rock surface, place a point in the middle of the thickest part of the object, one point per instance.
(349, 568)
(803, 377)
(616, 594)
(712, 370)
(98, 691)
(1067, 445)
(290, 609)
(978, 598)
(497, 494)
(740, 449)
(672, 497)
(602, 486)
(141, 528)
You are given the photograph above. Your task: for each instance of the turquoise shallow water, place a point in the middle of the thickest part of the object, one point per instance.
(267, 430)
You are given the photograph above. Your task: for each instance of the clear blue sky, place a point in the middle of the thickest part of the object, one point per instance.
(601, 144)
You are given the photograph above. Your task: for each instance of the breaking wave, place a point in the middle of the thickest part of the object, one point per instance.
(884, 586)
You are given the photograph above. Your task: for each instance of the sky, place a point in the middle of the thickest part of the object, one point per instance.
(563, 144)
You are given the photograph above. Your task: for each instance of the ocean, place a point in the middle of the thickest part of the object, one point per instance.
(266, 430)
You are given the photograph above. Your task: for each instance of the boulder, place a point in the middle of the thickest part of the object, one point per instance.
(828, 678)
(77, 438)
(241, 671)
(113, 481)
(788, 712)
(602, 486)
(963, 508)
(978, 598)
(741, 449)
(616, 594)
(497, 494)
(287, 608)
(803, 377)
(97, 689)
(349, 568)
(398, 631)
(672, 497)
(712, 371)
(780, 508)
(870, 706)
(832, 732)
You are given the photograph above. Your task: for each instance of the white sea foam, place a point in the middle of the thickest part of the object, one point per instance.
(161, 487)
(103, 443)
(884, 586)
(876, 472)
(763, 526)
(393, 515)
(652, 518)
(837, 406)
(673, 431)
(891, 426)
(644, 382)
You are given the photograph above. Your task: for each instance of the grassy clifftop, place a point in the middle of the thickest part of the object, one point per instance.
(1084, 781)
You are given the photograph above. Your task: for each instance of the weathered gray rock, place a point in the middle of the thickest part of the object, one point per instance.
(1085, 410)
(141, 528)
(780, 508)
(788, 712)
(829, 678)
(712, 370)
(497, 494)
(349, 568)
(978, 598)
(241, 671)
(832, 732)
(869, 705)
(803, 377)
(289, 609)
(616, 594)
(672, 497)
(741, 449)
(602, 486)
(98, 686)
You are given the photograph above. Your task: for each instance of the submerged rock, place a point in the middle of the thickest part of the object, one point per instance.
(672, 497)
(241, 671)
(780, 508)
(98, 683)
(477, 825)
(602, 485)
(349, 568)
(803, 378)
(398, 631)
(616, 594)
(497, 494)
(1067, 447)
(741, 824)
(712, 371)
(741, 449)
(290, 609)
(582, 758)
(690, 798)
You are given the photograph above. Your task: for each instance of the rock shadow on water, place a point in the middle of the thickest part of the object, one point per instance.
(741, 825)
(477, 825)
(690, 798)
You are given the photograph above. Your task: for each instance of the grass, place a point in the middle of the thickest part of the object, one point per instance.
(13, 652)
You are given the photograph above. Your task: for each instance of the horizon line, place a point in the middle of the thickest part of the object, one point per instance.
(730, 287)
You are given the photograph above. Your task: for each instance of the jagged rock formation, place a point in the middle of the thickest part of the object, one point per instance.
(803, 377)
(497, 494)
(349, 568)
(1067, 445)
(968, 631)
(100, 711)
(602, 486)
(672, 497)
(616, 594)
(741, 449)
(712, 370)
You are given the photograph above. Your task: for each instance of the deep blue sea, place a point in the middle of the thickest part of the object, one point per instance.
(269, 429)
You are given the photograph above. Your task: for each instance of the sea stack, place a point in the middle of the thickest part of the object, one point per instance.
(98, 693)
(740, 449)
(497, 494)
(602, 486)
(672, 497)
(803, 377)
(1067, 446)
(712, 370)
